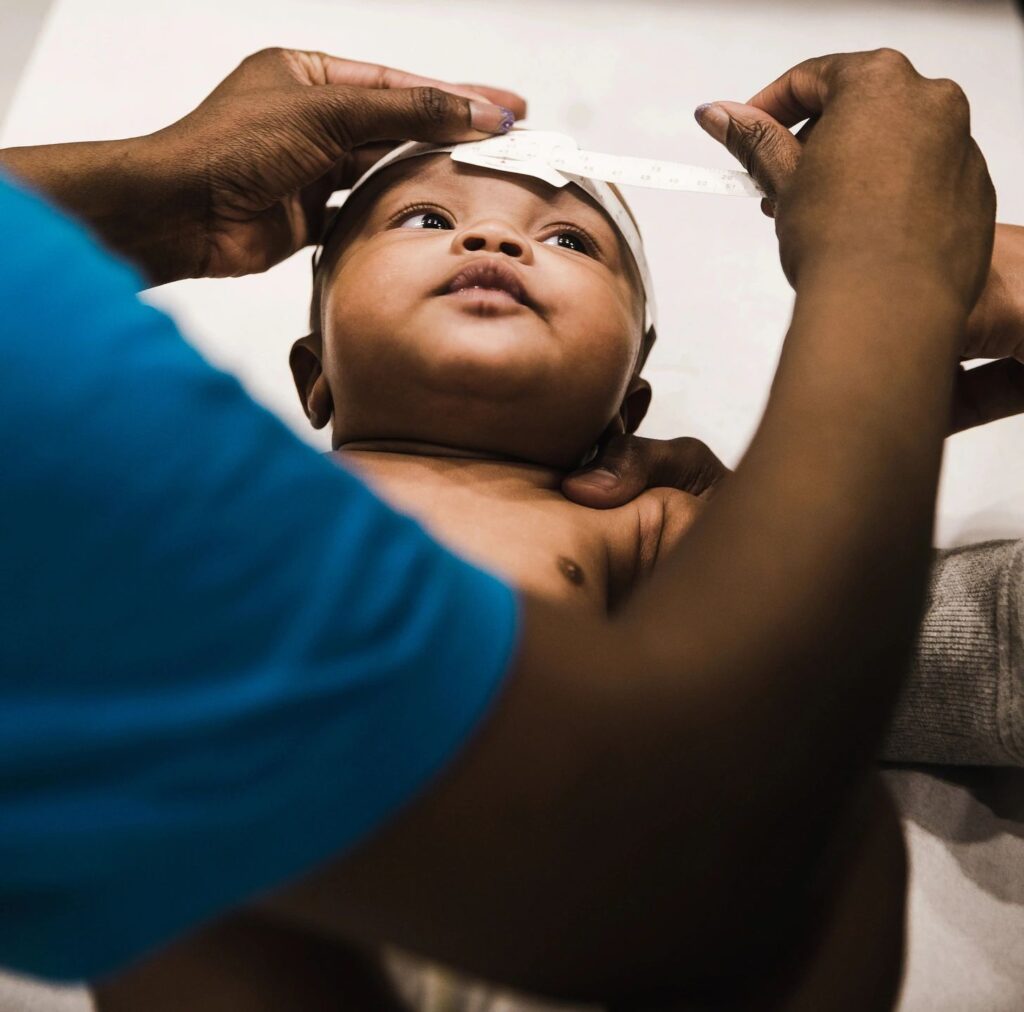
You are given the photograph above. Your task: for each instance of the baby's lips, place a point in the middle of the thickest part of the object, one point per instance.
(489, 274)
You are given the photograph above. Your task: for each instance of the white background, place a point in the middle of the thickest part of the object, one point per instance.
(623, 77)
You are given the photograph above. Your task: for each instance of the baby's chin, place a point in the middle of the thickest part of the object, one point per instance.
(491, 357)
(462, 407)
(499, 384)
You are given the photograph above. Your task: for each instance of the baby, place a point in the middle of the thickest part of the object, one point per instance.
(474, 336)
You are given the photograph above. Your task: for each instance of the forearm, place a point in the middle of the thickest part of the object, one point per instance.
(824, 530)
(800, 590)
(130, 192)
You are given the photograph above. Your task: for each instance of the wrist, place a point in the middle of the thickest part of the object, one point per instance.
(891, 254)
(163, 229)
(907, 294)
(133, 193)
(869, 358)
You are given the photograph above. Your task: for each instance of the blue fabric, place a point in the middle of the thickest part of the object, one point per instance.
(222, 659)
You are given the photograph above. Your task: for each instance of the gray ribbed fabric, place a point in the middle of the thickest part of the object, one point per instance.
(964, 700)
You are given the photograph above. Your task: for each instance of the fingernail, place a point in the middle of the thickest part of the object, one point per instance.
(713, 119)
(599, 476)
(491, 119)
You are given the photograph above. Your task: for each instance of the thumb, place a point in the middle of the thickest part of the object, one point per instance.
(765, 148)
(626, 465)
(360, 115)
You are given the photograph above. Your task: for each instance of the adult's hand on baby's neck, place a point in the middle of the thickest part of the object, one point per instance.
(627, 465)
(240, 183)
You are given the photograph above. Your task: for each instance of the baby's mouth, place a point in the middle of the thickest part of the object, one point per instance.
(489, 281)
(486, 301)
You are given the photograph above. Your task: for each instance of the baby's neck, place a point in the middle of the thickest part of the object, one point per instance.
(382, 458)
(412, 448)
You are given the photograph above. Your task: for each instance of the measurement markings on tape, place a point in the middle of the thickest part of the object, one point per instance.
(537, 153)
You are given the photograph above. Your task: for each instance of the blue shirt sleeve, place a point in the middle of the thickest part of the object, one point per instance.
(222, 659)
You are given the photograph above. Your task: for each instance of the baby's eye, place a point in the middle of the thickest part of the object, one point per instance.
(569, 240)
(426, 219)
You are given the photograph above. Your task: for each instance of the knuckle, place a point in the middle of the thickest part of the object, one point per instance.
(430, 105)
(337, 115)
(264, 55)
(950, 94)
(697, 467)
(946, 104)
(890, 59)
(689, 446)
(753, 143)
(884, 64)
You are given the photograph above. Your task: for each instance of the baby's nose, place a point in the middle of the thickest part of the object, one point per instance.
(494, 237)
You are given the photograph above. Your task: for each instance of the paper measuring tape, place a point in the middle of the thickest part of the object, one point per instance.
(537, 153)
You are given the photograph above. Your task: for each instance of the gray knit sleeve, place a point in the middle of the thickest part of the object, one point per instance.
(963, 703)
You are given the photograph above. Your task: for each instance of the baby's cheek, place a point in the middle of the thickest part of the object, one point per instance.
(358, 309)
(610, 347)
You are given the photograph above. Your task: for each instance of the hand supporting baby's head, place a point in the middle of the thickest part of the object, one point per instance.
(537, 375)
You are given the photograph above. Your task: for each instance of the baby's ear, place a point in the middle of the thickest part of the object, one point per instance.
(310, 382)
(635, 404)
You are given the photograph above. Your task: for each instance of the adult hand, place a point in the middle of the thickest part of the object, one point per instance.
(626, 465)
(845, 192)
(279, 134)
(240, 183)
(995, 328)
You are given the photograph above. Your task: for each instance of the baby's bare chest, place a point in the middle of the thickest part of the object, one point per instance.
(542, 543)
(546, 551)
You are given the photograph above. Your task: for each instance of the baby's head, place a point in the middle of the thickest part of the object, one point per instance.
(407, 344)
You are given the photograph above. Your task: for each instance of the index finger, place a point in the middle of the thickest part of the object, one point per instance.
(375, 75)
(802, 91)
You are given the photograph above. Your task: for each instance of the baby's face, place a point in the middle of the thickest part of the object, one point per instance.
(536, 374)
